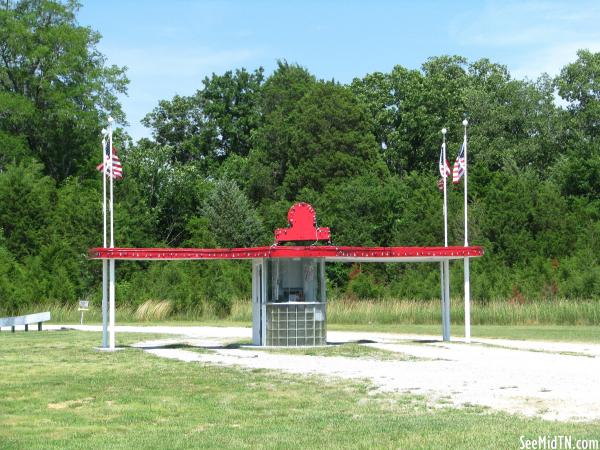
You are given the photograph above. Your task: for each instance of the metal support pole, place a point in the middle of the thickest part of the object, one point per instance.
(264, 298)
(446, 300)
(104, 303)
(442, 295)
(467, 295)
(111, 297)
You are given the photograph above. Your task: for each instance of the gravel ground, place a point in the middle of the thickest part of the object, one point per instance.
(552, 380)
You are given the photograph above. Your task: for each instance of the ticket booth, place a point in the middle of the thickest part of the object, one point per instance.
(288, 294)
(288, 301)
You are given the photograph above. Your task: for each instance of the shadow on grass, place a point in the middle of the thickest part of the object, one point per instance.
(359, 341)
(183, 346)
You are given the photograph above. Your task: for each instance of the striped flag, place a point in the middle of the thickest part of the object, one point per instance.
(443, 165)
(459, 165)
(112, 161)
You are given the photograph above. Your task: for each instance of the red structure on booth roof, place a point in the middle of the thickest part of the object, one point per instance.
(288, 281)
(302, 222)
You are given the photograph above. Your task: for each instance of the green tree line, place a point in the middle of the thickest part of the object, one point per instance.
(225, 163)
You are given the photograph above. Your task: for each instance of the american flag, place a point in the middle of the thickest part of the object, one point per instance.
(112, 161)
(459, 165)
(444, 166)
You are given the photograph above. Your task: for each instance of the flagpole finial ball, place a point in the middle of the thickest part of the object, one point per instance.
(465, 123)
(444, 131)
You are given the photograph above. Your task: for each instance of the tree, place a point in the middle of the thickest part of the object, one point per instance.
(408, 109)
(231, 104)
(214, 123)
(329, 140)
(27, 199)
(514, 123)
(168, 192)
(360, 210)
(231, 217)
(324, 137)
(178, 123)
(268, 158)
(579, 84)
(54, 85)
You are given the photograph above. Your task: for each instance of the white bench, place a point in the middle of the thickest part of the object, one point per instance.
(25, 320)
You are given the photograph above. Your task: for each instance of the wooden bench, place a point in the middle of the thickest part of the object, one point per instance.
(25, 320)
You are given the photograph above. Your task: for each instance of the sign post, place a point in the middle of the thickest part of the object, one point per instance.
(84, 305)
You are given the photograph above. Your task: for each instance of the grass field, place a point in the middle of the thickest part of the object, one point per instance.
(58, 393)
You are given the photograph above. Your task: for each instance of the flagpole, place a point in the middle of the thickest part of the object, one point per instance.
(445, 264)
(444, 176)
(110, 143)
(111, 283)
(467, 288)
(465, 123)
(104, 261)
(104, 136)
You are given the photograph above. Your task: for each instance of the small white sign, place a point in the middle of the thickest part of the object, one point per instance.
(84, 305)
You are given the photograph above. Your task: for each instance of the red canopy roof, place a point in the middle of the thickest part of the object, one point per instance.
(329, 252)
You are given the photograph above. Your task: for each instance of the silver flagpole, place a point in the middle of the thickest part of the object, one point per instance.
(111, 283)
(467, 288)
(104, 261)
(444, 176)
(104, 137)
(110, 143)
(445, 264)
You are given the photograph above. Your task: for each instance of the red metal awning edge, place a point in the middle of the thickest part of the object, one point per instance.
(330, 253)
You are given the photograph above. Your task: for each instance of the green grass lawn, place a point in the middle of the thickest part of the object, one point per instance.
(56, 392)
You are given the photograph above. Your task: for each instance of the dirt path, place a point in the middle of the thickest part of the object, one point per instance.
(553, 380)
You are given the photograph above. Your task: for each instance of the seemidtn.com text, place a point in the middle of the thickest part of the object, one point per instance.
(558, 442)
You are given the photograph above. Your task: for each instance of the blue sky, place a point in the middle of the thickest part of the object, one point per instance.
(170, 46)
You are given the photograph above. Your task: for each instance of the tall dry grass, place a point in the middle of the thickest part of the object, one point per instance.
(153, 310)
(497, 312)
(345, 310)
